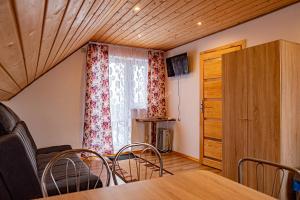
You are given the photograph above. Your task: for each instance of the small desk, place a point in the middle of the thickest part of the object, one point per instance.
(153, 122)
(193, 185)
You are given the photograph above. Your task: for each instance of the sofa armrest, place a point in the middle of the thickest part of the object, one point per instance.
(52, 149)
(16, 170)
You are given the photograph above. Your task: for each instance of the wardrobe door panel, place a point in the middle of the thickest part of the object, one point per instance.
(235, 112)
(290, 103)
(264, 101)
(263, 63)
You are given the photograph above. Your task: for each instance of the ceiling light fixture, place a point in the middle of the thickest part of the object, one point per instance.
(199, 23)
(139, 35)
(136, 8)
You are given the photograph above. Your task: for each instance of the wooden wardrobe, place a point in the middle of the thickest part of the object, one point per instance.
(261, 105)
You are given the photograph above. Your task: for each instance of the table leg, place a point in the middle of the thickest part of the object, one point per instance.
(146, 132)
(153, 133)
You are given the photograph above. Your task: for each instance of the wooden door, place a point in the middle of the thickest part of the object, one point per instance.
(212, 104)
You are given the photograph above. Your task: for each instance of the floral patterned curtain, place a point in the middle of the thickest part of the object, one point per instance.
(156, 85)
(97, 134)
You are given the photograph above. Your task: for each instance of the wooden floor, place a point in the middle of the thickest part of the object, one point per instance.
(176, 163)
(172, 162)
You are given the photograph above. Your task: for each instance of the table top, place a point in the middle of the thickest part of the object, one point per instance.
(192, 185)
(163, 119)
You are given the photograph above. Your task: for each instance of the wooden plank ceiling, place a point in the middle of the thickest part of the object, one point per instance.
(35, 35)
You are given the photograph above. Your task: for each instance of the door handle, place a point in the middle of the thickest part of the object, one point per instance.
(202, 106)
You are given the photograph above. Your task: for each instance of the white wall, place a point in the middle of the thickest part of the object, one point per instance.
(53, 106)
(282, 24)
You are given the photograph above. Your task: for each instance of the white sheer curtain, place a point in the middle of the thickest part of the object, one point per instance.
(128, 89)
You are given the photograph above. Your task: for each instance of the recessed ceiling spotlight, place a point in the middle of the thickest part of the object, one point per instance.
(199, 23)
(136, 8)
(139, 35)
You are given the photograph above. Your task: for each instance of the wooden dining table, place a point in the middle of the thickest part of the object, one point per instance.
(192, 185)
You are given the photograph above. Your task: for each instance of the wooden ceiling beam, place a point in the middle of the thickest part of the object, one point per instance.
(72, 12)
(142, 17)
(7, 82)
(153, 18)
(219, 13)
(148, 34)
(121, 15)
(4, 95)
(87, 5)
(178, 15)
(92, 13)
(11, 53)
(54, 14)
(34, 42)
(114, 6)
(207, 10)
(96, 18)
(128, 14)
(87, 30)
(29, 18)
(222, 21)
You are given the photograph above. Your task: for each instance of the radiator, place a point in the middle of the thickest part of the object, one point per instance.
(164, 140)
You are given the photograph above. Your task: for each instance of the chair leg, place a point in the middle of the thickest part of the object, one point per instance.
(114, 178)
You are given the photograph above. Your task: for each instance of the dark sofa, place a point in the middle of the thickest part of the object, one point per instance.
(21, 162)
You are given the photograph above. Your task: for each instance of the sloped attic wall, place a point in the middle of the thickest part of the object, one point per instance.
(53, 106)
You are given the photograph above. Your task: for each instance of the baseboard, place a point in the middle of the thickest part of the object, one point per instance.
(186, 156)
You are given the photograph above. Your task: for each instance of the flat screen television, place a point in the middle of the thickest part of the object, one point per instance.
(177, 65)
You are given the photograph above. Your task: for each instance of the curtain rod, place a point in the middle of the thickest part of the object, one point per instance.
(100, 43)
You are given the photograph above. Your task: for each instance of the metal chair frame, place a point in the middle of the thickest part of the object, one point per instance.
(64, 156)
(262, 163)
(138, 161)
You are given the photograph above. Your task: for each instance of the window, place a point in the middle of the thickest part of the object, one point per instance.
(128, 90)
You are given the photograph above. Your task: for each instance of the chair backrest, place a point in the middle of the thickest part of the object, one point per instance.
(137, 161)
(22, 132)
(73, 171)
(267, 177)
(17, 174)
(8, 119)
